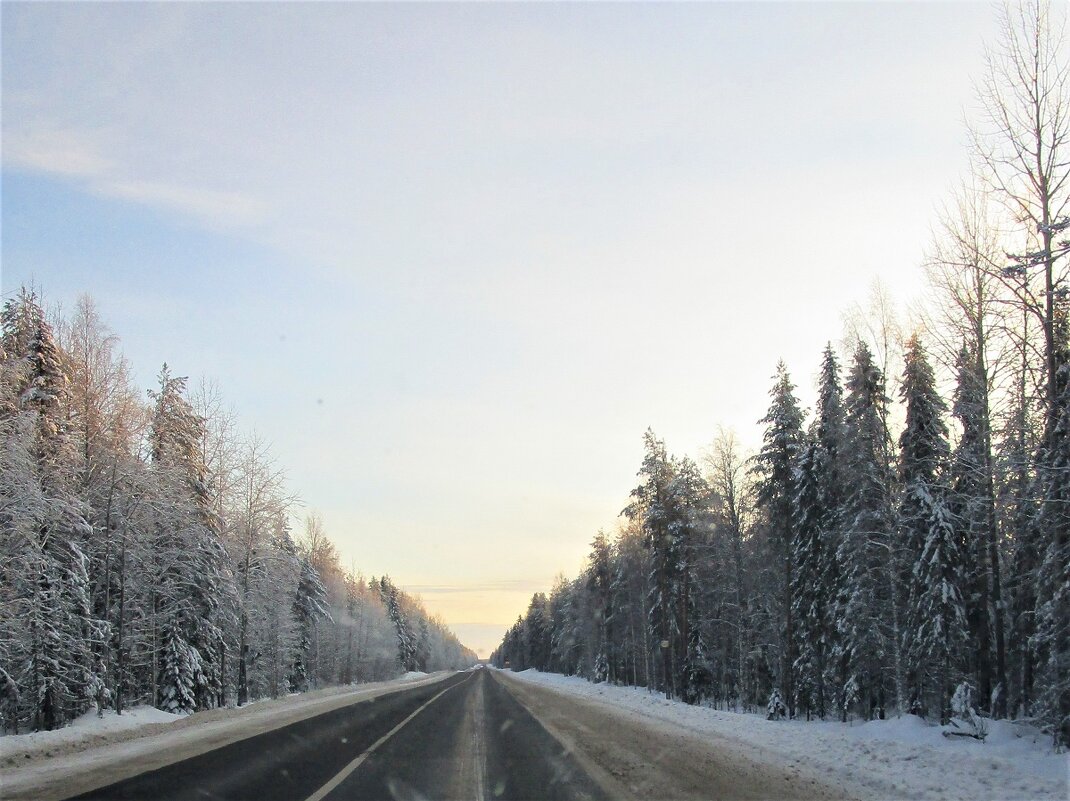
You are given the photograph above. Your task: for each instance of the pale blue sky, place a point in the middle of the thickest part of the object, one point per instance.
(496, 241)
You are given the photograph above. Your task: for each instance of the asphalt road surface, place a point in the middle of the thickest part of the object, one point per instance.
(466, 737)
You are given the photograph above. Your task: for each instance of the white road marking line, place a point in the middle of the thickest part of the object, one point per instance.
(480, 747)
(343, 774)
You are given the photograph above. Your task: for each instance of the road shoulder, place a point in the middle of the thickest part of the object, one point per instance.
(635, 758)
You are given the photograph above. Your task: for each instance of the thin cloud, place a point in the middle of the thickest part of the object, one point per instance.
(235, 208)
(60, 153)
(70, 154)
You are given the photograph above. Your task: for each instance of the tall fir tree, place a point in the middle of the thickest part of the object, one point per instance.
(818, 510)
(688, 525)
(1052, 636)
(809, 598)
(651, 507)
(406, 641)
(309, 606)
(195, 580)
(599, 585)
(935, 621)
(670, 506)
(971, 511)
(50, 537)
(776, 491)
(865, 627)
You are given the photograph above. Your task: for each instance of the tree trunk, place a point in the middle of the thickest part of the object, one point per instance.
(994, 590)
(789, 633)
(945, 715)
(120, 673)
(243, 660)
(221, 700)
(666, 649)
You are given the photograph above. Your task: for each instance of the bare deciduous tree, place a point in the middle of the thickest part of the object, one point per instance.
(1022, 146)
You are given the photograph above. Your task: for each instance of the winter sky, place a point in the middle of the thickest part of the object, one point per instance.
(452, 260)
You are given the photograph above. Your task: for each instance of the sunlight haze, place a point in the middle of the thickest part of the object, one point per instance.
(453, 260)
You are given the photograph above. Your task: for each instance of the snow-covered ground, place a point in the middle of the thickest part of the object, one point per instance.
(52, 763)
(900, 758)
(87, 727)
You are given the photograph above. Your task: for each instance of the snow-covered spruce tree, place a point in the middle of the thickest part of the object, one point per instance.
(22, 508)
(935, 627)
(406, 617)
(651, 507)
(830, 432)
(538, 632)
(423, 643)
(688, 527)
(580, 628)
(309, 605)
(670, 502)
(1018, 504)
(775, 707)
(562, 636)
(60, 629)
(818, 510)
(598, 585)
(808, 599)
(35, 635)
(923, 456)
(630, 571)
(938, 630)
(776, 490)
(972, 513)
(354, 610)
(1052, 637)
(865, 553)
(513, 647)
(197, 577)
(181, 672)
(406, 642)
(698, 679)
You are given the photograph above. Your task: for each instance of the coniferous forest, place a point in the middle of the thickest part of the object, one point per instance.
(904, 546)
(148, 554)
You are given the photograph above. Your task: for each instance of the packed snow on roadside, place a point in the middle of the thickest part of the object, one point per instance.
(88, 726)
(904, 756)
